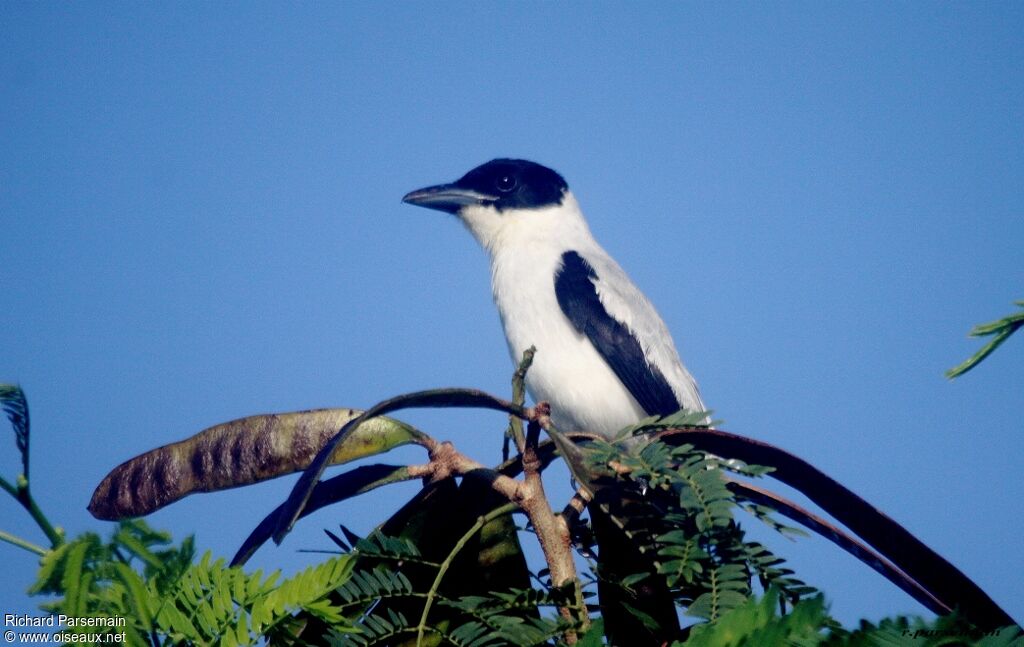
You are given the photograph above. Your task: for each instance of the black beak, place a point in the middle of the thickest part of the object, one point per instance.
(447, 197)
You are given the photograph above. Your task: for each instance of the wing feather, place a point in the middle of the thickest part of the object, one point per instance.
(577, 295)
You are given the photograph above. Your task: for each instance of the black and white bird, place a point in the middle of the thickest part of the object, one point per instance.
(605, 359)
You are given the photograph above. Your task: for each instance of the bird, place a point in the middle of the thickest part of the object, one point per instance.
(604, 358)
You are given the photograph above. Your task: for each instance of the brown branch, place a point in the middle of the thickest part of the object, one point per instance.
(552, 530)
(836, 535)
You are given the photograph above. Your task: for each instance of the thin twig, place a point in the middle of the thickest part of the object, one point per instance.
(21, 543)
(24, 497)
(481, 521)
(515, 424)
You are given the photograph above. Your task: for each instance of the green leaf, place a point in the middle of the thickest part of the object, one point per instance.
(173, 621)
(228, 639)
(207, 619)
(631, 580)
(1000, 329)
(753, 623)
(644, 618)
(51, 568)
(73, 581)
(681, 418)
(138, 593)
(136, 547)
(242, 630)
(15, 405)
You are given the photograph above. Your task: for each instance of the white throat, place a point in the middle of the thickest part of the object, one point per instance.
(520, 230)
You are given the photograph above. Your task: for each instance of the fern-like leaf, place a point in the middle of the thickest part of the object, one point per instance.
(755, 622)
(503, 614)
(373, 630)
(15, 405)
(1000, 330)
(365, 587)
(677, 420)
(727, 589)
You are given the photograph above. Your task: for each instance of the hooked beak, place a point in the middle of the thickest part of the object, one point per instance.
(447, 197)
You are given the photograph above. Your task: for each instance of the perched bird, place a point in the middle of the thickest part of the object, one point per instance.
(604, 357)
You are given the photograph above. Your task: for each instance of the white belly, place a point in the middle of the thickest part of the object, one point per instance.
(567, 372)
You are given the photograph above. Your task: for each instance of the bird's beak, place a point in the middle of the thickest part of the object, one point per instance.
(447, 197)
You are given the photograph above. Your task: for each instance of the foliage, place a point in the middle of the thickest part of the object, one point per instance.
(757, 622)
(682, 511)
(394, 608)
(15, 405)
(946, 631)
(167, 599)
(674, 503)
(682, 418)
(1000, 330)
(483, 621)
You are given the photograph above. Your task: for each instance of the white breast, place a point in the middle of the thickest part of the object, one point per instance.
(525, 248)
(584, 392)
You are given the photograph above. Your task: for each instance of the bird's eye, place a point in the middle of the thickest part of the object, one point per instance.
(506, 183)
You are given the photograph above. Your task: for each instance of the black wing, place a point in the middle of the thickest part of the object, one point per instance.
(577, 295)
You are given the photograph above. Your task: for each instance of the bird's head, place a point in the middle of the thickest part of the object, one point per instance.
(501, 195)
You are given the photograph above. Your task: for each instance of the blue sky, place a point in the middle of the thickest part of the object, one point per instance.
(201, 220)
